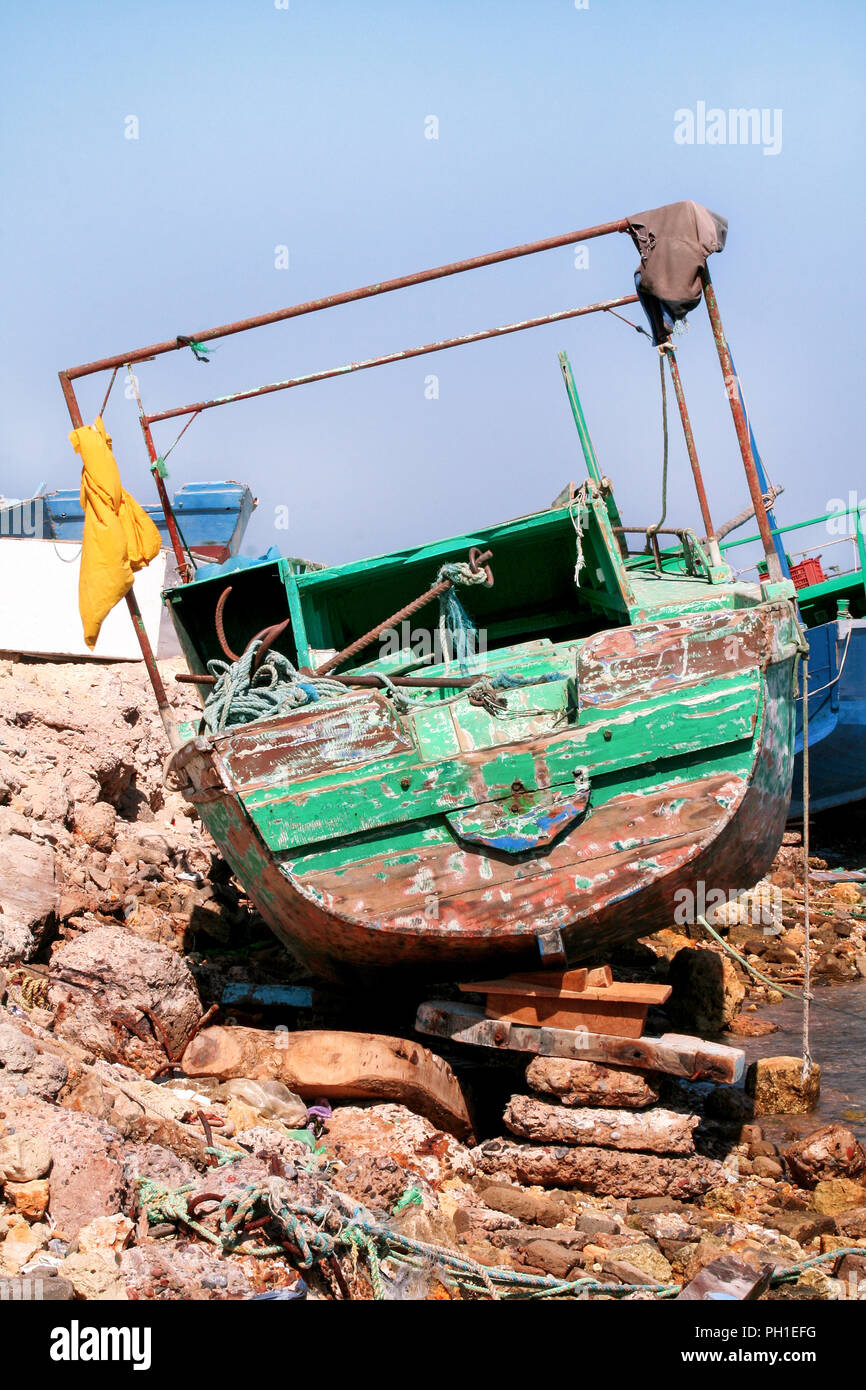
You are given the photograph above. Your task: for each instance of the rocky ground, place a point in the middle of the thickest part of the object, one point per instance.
(120, 933)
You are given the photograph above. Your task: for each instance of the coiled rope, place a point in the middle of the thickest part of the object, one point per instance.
(243, 693)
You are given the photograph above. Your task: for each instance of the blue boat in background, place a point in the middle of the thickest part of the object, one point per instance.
(832, 605)
(212, 517)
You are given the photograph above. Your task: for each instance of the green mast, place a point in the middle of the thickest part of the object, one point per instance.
(592, 467)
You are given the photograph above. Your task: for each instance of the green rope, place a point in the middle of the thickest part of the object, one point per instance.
(765, 979)
(223, 1156)
(314, 1234)
(242, 694)
(411, 1198)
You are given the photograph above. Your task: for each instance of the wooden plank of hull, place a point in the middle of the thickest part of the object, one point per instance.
(341, 1066)
(735, 848)
(292, 814)
(609, 879)
(621, 665)
(676, 1054)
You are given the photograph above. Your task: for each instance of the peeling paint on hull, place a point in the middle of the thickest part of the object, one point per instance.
(404, 892)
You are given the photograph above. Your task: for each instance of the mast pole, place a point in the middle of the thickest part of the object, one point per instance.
(165, 710)
(774, 569)
(586, 444)
(709, 530)
(177, 545)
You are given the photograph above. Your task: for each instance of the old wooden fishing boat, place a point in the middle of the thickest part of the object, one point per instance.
(397, 795)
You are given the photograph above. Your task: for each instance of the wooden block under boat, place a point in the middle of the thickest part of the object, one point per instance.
(676, 1054)
(572, 999)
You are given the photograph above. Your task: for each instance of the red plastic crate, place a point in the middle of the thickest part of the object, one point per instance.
(809, 571)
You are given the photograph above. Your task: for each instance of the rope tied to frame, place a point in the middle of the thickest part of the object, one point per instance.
(200, 351)
(458, 634)
(807, 962)
(578, 511)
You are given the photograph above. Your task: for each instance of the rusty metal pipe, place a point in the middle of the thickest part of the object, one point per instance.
(365, 678)
(165, 710)
(408, 611)
(312, 306)
(774, 569)
(670, 354)
(181, 559)
(402, 356)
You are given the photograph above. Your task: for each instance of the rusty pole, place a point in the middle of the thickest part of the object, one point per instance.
(709, 530)
(165, 711)
(403, 355)
(167, 509)
(774, 569)
(311, 306)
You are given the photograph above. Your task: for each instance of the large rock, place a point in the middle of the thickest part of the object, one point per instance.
(707, 991)
(559, 1256)
(96, 824)
(28, 1199)
(591, 1083)
(776, 1086)
(24, 1062)
(86, 1163)
(394, 1132)
(534, 1208)
(829, 1152)
(28, 896)
(23, 1157)
(601, 1171)
(107, 983)
(639, 1263)
(852, 1224)
(94, 1275)
(658, 1131)
(833, 1196)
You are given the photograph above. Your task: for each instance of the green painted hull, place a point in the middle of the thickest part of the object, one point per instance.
(452, 840)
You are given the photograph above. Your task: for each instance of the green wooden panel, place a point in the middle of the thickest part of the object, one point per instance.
(403, 843)
(355, 801)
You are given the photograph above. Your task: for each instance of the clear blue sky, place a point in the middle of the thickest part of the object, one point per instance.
(305, 127)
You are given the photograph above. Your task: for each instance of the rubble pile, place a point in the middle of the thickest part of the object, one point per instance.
(121, 1177)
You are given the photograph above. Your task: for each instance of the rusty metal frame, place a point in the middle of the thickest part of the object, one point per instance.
(180, 341)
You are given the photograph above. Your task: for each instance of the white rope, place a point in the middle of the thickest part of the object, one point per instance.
(807, 961)
(579, 500)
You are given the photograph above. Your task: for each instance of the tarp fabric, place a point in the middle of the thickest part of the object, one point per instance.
(119, 537)
(674, 242)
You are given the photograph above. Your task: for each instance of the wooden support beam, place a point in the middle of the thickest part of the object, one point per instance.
(673, 1053)
(341, 1066)
(573, 999)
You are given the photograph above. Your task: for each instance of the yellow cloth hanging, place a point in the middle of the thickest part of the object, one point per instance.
(119, 536)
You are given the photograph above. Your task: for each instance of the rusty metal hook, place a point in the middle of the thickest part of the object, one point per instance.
(268, 635)
(477, 558)
(218, 623)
